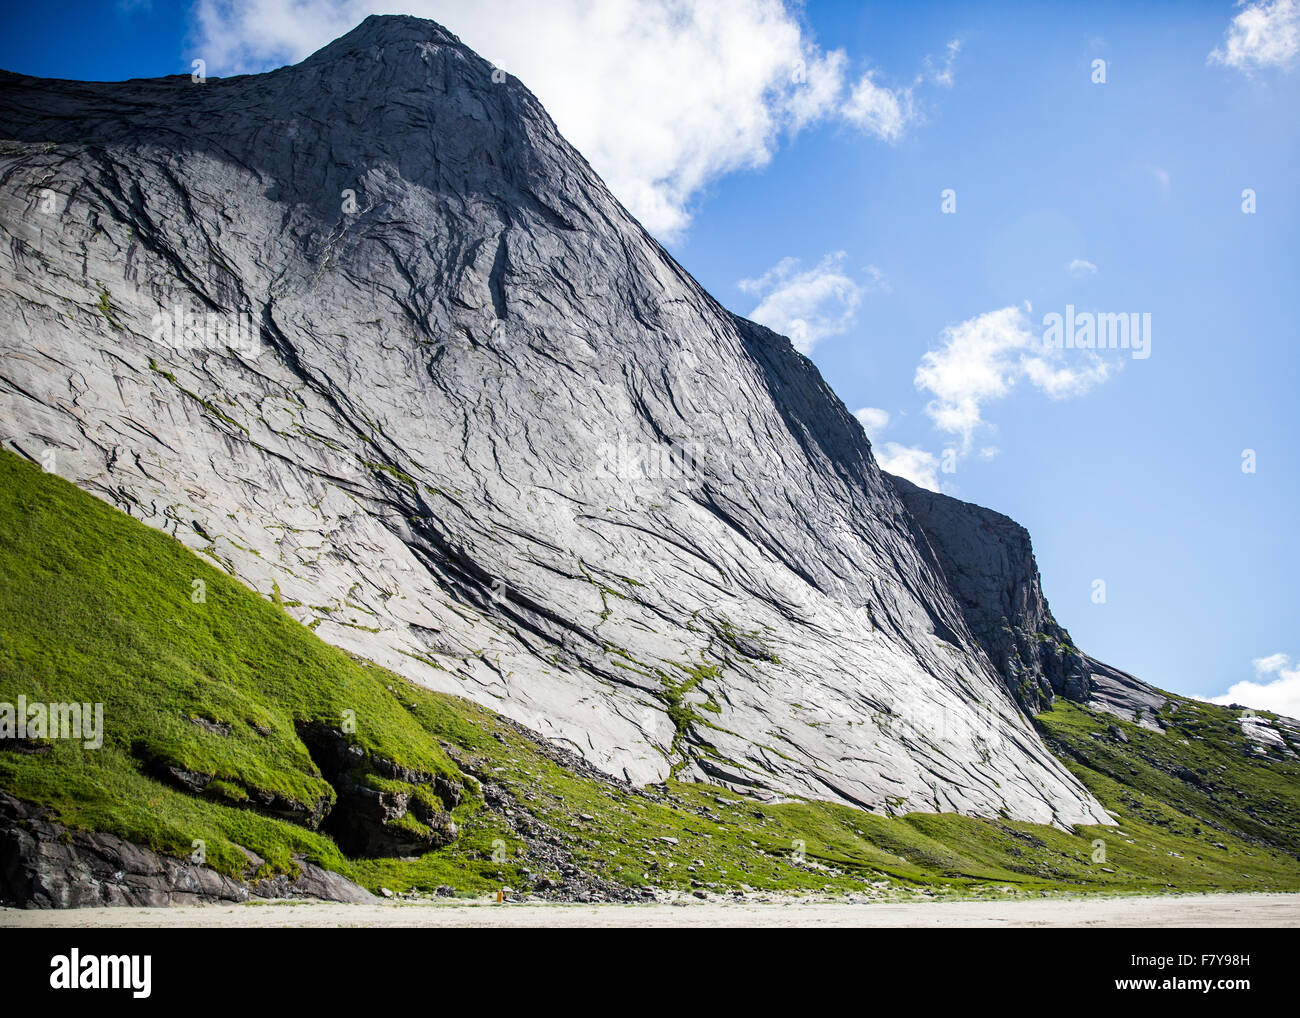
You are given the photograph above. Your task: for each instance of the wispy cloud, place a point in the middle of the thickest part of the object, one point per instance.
(982, 360)
(878, 279)
(1270, 664)
(1081, 268)
(873, 420)
(1264, 34)
(945, 75)
(909, 461)
(878, 110)
(806, 304)
(920, 466)
(887, 112)
(820, 84)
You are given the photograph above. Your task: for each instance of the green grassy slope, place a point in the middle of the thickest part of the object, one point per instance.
(1199, 777)
(204, 705)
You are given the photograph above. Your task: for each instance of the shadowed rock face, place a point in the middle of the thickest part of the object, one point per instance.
(482, 429)
(989, 564)
(45, 865)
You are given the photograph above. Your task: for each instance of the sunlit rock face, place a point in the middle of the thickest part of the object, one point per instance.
(371, 335)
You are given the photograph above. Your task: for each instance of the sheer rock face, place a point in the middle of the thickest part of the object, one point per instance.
(483, 429)
(989, 564)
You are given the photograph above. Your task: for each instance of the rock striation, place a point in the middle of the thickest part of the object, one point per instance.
(370, 334)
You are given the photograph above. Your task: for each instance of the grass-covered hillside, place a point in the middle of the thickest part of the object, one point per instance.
(227, 721)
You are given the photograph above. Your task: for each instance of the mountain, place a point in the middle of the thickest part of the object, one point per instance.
(370, 335)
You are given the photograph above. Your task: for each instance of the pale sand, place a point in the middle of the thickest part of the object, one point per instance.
(1217, 910)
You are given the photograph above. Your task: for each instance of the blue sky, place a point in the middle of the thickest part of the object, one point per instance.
(813, 200)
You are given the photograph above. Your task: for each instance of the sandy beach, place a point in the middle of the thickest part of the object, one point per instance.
(1201, 910)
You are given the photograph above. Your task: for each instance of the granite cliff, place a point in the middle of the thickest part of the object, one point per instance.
(367, 332)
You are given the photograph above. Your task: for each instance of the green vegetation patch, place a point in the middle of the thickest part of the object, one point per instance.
(1200, 779)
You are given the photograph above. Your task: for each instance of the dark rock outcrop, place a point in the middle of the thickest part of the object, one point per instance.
(988, 561)
(158, 764)
(45, 865)
(382, 807)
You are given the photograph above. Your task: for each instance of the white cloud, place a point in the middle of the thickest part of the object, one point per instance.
(878, 110)
(1265, 34)
(888, 112)
(917, 465)
(873, 420)
(823, 81)
(1059, 381)
(1161, 175)
(878, 280)
(945, 75)
(1281, 695)
(1270, 664)
(1080, 268)
(982, 359)
(661, 96)
(806, 304)
(237, 37)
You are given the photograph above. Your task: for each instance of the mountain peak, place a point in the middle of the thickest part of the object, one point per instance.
(383, 32)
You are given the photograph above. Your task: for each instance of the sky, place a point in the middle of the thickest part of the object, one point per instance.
(941, 204)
